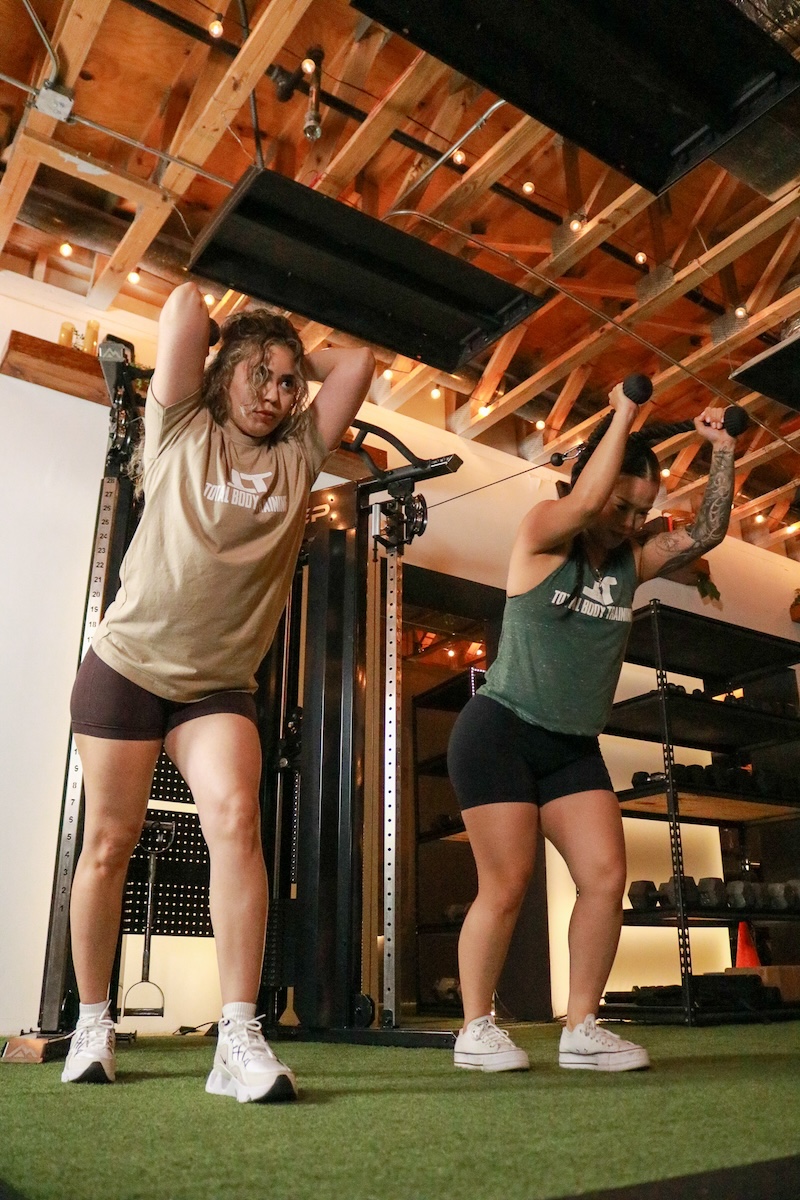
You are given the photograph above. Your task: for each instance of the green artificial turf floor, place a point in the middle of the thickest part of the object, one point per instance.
(398, 1124)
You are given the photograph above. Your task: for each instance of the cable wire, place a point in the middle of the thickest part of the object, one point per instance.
(596, 312)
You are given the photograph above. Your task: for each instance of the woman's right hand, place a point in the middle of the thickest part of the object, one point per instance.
(621, 403)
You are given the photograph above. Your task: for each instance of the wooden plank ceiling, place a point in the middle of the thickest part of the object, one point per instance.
(152, 74)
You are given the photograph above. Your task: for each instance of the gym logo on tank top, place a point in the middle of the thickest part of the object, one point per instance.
(596, 601)
(246, 491)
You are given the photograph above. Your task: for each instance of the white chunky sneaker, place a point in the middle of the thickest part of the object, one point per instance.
(591, 1048)
(482, 1046)
(245, 1066)
(91, 1056)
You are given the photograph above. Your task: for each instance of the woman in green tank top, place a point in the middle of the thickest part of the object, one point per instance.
(524, 754)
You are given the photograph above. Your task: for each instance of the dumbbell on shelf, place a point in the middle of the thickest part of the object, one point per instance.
(712, 892)
(643, 895)
(793, 894)
(667, 893)
(741, 893)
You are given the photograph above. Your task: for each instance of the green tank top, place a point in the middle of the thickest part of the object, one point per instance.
(562, 645)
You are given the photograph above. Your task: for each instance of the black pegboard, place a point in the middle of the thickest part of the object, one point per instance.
(169, 784)
(180, 903)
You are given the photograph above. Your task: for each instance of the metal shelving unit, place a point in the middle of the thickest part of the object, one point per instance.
(437, 938)
(725, 657)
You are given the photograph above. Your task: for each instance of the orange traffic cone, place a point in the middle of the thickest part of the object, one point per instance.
(746, 953)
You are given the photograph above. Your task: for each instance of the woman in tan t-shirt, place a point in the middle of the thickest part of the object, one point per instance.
(230, 455)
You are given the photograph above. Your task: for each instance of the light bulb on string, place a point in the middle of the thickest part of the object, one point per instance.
(436, 393)
(540, 425)
(388, 374)
(65, 250)
(133, 277)
(459, 157)
(528, 187)
(209, 299)
(215, 27)
(640, 258)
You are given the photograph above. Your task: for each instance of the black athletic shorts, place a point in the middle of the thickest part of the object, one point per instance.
(495, 757)
(105, 704)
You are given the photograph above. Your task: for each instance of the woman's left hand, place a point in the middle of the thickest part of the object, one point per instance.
(709, 424)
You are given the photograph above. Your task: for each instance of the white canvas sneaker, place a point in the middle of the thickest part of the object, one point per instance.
(246, 1068)
(482, 1046)
(91, 1057)
(591, 1048)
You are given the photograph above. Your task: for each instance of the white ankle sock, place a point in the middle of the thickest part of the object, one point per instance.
(238, 1011)
(92, 1012)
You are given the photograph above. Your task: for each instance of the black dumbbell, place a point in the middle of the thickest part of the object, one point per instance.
(740, 893)
(679, 775)
(793, 894)
(640, 778)
(712, 892)
(667, 893)
(761, 897)
(778, 899)
(643, 895)
(695, 775)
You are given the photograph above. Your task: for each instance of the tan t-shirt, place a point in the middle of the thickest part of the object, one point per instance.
(206, 576)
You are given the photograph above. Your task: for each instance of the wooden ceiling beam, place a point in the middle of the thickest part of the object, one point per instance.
(349, 69)
(567, 397)
(129, 253)
(751, 460)
(751, 507)
(520, 140)
(755, 231)
(76, 28)
(501, 356)
(407, 388)
(708, 213)
(222, 96)
(444, 127)
(404, 95)
(596, 231)
(84, 166)
(776, 270)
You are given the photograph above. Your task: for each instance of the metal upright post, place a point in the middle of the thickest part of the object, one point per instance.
(117, 515)
(391, 791)
(676, 848)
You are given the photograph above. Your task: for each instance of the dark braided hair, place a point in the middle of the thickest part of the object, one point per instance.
(639, 460)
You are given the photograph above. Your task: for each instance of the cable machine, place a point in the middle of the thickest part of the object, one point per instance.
(117, 516)
(327, 791)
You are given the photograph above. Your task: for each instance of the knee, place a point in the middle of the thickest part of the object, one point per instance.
(108, 849)
(233, 822)
(606, 882)
(504, 894)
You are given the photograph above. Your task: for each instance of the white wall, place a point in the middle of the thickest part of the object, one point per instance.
(52, 452)
(51, 461)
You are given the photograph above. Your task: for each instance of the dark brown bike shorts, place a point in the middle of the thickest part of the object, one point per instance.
(105, 704)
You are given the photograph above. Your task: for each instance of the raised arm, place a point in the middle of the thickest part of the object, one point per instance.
(665, 552)
(554, 522)
(345, 375)
(182, 346)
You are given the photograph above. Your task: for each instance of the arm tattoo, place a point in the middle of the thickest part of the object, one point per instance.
(711, 523)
